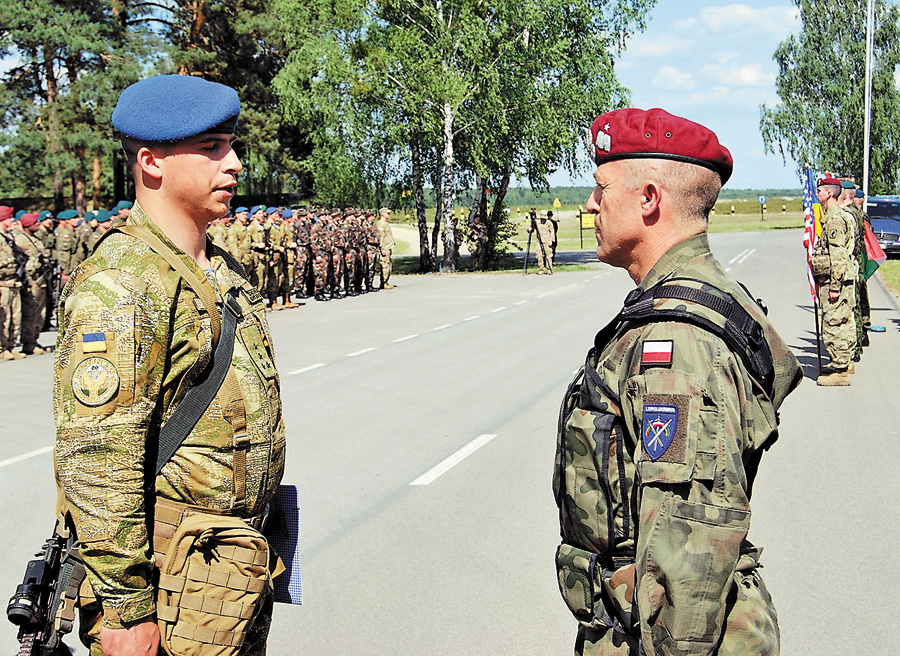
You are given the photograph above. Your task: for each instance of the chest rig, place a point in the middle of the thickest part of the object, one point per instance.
(594, 475)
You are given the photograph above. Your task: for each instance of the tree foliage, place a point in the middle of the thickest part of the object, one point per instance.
(821, 83)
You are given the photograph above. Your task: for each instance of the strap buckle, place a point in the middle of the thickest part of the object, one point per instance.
(241, 440)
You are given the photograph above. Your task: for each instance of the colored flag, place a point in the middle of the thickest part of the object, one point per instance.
(874, 254)
(812, 226)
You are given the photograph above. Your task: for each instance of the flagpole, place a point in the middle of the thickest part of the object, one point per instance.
(870, 35)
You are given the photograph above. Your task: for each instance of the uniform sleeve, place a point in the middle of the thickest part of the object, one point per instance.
(839, 241)
(693, 511)
(109, 363)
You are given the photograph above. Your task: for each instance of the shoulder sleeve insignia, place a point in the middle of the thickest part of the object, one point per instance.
(660, 422)
(95, 381)
(657, 353)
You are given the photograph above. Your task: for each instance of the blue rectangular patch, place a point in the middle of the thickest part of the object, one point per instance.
(660, 421)
(93, 337)
(93, 343)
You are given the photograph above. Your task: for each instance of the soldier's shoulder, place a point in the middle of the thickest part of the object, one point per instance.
(132, 260)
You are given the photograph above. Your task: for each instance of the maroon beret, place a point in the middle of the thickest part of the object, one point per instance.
(828, 180)
(29, 219)
(5, 212)
(656, 134)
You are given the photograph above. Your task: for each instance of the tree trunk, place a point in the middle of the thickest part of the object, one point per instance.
(497, 217)
(95, 197)
(451, 252)
(51, 133)
(78, 183)
(480, 189)
(438, 213)
(425, 259)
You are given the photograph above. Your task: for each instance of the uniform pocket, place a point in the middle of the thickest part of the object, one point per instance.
(691, 553)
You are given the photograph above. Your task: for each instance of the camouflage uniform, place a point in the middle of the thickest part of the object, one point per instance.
(133, 323)
(543, 247)
(836, 246)
(654, 557)
(320, 238)
(372, 248)
(218, 233)
(10, 295)
(67, 249)
(861, 307)
(351, 253)
(258, 263)
(335, 227)
(304, 255)
(290, 258)
(386, 244)
(275, 268)
(238, 242)
(34, 291)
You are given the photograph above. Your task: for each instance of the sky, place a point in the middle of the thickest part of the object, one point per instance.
(711, 62)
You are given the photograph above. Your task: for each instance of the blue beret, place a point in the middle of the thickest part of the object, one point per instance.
(44, 214)
(124, 205)
(287, 214)
(19, 215)
(103, 216)
(175, 107)
(860, 194)
(256, 208)
(271, 210)
(241, 209)
(67, 214)
(846, 184)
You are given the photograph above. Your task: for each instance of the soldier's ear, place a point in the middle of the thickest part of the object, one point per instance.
(148, 161)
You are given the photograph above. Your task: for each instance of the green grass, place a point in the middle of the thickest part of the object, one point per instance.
(889, 274)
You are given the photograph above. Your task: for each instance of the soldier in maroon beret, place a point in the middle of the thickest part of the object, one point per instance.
(663, 428)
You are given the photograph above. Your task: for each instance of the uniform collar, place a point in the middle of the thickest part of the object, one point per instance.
(676, 258)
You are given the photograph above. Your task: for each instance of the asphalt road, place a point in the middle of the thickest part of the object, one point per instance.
(421, 426)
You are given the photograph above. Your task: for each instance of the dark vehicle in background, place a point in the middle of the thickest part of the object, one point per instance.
(884, 215)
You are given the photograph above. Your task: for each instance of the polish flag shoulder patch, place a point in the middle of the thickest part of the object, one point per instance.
(657, 353)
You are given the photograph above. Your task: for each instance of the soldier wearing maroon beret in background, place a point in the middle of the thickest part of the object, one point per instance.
(662, 430)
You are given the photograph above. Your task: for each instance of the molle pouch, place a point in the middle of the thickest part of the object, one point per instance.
(212, 583)
(820, 263)
(593, 469)
(598, 597)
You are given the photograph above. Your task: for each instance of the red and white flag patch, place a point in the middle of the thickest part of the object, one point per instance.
(657, 353)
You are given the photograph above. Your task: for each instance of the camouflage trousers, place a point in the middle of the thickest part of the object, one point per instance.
(301, 273)
(351, 262)
(34, 313)
(544, 258)
(371, 263)
(861, 313)
(337, 264)
(10, 314)
(258, 273)
(321, 263)
(385, 267)
(90, 620)
(274, 277)
(838, 325)
(750, 626)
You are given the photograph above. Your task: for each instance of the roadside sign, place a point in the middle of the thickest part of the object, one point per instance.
(762, 199)
(556, 204)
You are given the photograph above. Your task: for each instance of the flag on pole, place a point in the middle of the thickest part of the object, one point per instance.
(874, 254)
(812, 226)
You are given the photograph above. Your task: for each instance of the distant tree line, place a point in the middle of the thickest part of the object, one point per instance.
(345, 102)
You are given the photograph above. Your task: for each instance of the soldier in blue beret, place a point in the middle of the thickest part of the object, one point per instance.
(121, 354)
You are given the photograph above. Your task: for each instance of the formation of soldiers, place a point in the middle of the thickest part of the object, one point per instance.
(38, 252)
(318, 253)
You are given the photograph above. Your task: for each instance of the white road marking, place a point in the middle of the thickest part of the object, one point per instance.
(543, 295)
(737, 257)
(403, 339)
(520, 303)
(366, 350)
(499, 309)
(477, 316)
(26, 456)
(749, 253)
(305, 369)
(453, 460)
(446, 325)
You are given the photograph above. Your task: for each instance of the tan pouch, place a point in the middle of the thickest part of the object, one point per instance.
(211, 583)
(820, 263)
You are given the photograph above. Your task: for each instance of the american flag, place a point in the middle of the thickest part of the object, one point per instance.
(812, 212)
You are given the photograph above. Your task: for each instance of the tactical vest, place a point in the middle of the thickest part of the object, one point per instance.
(595, 471)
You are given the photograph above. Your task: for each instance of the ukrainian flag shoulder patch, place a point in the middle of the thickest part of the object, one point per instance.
(93, 343)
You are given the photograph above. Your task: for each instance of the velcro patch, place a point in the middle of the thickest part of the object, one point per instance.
(660, 422)
(657, 353)
(93, 343)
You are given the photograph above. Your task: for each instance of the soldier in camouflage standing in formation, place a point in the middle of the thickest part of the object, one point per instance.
(862, 287)
(36, 285)
(10, 288)
(662, 431)
(848, 196)
(372, 251)
(303, 239)
(835, 268)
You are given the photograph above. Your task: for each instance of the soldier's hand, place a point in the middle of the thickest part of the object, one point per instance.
(141, 639)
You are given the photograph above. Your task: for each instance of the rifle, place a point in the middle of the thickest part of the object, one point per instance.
(20, 257)
(43, 606)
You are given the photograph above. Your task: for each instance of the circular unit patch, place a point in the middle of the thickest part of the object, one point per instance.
(95, 381)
